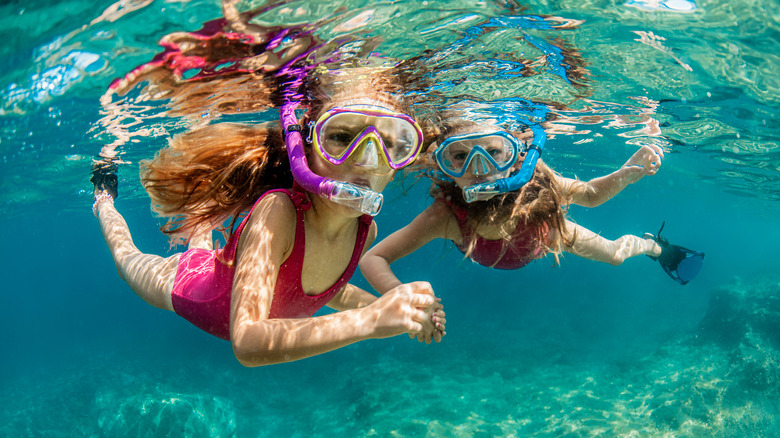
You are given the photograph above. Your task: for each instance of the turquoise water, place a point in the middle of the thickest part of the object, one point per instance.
(583, 349)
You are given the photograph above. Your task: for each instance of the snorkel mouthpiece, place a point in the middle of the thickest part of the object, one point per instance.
(361, 199)
(486, 190)
(481, 192)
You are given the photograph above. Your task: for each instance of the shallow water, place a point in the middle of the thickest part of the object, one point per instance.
(583, 349)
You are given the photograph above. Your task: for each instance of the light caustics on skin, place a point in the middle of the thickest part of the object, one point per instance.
(149, 276)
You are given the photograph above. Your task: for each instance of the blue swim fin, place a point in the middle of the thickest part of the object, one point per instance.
(682, 264)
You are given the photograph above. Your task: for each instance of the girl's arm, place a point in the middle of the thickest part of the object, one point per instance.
(646, 161)
(258, 340)
(351, 297)
(432, 223)
(594, 247)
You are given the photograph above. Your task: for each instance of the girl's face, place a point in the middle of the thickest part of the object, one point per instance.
(361, 141)
(475, 157)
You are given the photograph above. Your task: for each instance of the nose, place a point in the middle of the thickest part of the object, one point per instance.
(368, 154)
(479, 166)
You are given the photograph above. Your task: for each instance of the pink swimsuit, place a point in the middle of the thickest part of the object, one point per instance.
(203, 285)
(523, 248)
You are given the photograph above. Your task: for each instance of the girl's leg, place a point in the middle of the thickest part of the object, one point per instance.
(594, 247)
(149, 276)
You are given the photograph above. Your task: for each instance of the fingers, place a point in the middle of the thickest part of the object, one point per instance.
(657, 149)
(421, 287)
(438, 322)
(648, 158)
(419, 316)
(421, 312)
(422, 300)
(654, 153)
(432, 326)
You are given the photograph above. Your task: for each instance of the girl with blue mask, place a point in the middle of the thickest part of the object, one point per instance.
(503, 207)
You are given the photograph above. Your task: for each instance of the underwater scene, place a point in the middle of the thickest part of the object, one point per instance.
(573, 348)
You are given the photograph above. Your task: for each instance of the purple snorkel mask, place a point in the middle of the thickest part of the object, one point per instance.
(399, 147)
(359, 198)
(399, 139)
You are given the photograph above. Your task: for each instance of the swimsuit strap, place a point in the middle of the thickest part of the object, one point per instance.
(296, 195)
(299, 197)
(302, 204)
(460, 213)
(461, 216)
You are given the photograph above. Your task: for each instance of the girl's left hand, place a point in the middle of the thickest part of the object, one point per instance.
(645, 161)
(434, 325)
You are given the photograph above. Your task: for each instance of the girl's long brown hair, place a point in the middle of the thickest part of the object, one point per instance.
(216, 172)
(539, 205)
(210, 174)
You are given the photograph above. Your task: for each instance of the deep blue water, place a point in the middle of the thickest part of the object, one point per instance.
(582, 349)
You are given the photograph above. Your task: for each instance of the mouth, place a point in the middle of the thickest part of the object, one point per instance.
(360, 182)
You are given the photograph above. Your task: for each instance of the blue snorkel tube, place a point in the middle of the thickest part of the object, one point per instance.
(486, 190)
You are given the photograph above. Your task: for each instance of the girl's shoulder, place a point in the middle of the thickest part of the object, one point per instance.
(444, 206)
(441, 219)
(269, 228)
(275, 212)
(279, 205)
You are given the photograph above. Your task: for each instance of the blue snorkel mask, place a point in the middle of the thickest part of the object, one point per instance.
(490, 152)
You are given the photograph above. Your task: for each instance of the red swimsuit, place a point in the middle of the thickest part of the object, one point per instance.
(521, 250)
(203, 285)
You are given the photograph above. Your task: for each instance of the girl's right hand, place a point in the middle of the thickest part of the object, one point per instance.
(401, 310)
(645, 161)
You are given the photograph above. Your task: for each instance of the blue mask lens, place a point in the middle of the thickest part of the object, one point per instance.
(494, 151)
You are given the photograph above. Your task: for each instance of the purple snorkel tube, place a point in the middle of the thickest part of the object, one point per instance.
(293, 45)
(361, 199)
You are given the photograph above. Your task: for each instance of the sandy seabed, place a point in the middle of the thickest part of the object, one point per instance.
(722, 380)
